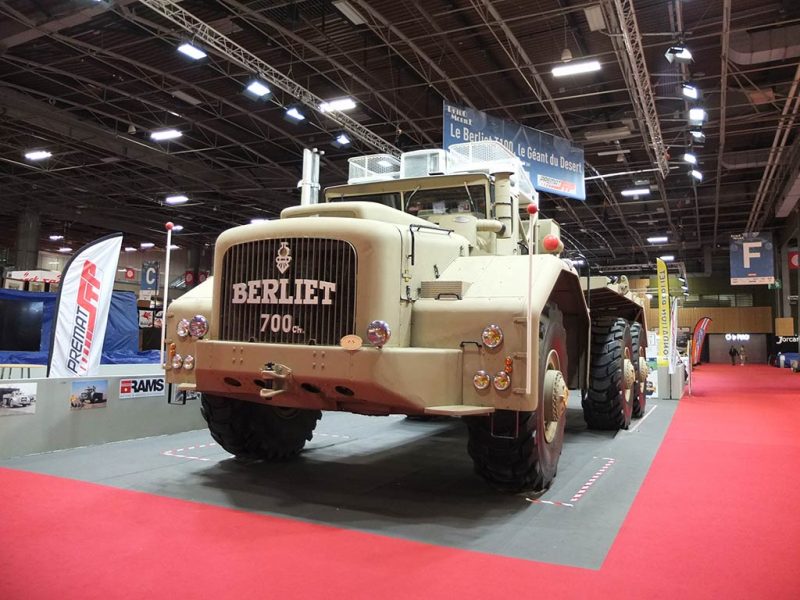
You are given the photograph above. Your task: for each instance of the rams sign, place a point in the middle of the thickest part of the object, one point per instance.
(137, 388)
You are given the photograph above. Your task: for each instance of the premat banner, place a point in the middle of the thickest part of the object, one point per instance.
(82, 309)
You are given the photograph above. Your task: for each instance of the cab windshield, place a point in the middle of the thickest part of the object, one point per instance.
(426, 202)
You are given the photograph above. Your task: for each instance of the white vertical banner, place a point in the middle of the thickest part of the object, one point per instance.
(82, 309)
(674, 357)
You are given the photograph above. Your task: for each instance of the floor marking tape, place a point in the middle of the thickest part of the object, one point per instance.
(647, 414)
(178, 452)
(550, 502)
(585, 487)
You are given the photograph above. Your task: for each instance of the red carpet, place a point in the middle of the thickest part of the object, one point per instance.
(717, 517)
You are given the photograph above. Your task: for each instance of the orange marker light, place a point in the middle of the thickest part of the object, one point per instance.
(509, 365)
(551, 243)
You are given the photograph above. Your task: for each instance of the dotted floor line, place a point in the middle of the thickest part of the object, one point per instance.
(586, 486)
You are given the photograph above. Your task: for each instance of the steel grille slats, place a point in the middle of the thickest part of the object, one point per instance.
(317, 259)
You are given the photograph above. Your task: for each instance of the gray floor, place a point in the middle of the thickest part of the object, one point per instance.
(396, 477)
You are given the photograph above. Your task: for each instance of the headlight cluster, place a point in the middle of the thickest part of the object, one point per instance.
(482, 380)
(186, 362)
(492, 337)
(197, 327)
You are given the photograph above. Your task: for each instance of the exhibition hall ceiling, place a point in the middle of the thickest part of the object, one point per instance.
(90, 80)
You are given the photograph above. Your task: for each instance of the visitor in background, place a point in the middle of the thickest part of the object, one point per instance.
(742, 355)
(733, 353)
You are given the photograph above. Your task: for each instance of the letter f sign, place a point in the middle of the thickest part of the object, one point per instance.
(750, 251)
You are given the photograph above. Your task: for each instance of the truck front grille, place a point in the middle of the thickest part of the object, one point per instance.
(288, 291)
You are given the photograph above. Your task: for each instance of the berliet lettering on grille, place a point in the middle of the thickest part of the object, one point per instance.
(283, 291)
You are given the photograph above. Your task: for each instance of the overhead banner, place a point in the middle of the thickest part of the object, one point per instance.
(674, 357)
(699, 337)
(664, 328)
(150, 275)
(752, 260)
(82, 309)
(554, 164)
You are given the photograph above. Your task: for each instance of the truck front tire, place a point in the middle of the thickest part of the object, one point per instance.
(257, 431)
(516, 451)
(608, 403)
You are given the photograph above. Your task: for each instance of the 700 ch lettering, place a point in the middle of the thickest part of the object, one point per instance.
(279, 323)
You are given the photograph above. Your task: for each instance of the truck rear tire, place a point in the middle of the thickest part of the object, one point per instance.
(640, 387)
(516, 451)
(608, 403)
(258, 431)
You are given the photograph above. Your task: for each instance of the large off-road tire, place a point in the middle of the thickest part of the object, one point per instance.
(516, 451)
(640, 363)
(250, 430)
(608, 403)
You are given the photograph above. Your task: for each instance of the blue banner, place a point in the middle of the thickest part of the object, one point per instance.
(553, 163)
(150, 275)
(752, 259)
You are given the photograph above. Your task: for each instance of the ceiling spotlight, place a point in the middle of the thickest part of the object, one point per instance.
(341, 140)
(130, 249)
(584, 66)
(349, 12)
(165, 134)
(293, 114)
(697, 116)
(678, 53)
(636, 192)
(65, 249)
(174, 247)
(690, 158)
(658, 239)
(696, 174)
(690, 90)
(682, 279)
(685, 288)
(191, 51)
(38, 154)
(667, 257)
(337, 105)
(55, 238)
(698, 137)
(177, 199)
(146, 245)
(176, 228)
(258, 89)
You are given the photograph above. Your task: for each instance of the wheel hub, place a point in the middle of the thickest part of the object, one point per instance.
(630, 373)
(554, 402)
(644, 369)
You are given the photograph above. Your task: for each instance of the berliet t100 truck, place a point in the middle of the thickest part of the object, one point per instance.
(428, 285)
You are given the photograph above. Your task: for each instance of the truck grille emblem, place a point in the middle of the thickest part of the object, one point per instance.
(284, 257)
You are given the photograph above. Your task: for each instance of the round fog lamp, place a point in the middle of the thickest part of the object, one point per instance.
(188, 362)
(502, 381)
(182, 328)
(481, 380)
(378, 333)
(198, 326)
(492, 336)
(177, 361)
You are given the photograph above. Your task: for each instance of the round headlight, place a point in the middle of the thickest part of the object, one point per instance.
(378, 333)
(481, 380)
(492, 336)
(188, 362)
(182, 328)
(177, 361)
(198, 326)
(502, 381)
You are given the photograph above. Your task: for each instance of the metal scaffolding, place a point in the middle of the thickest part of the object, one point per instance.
(224, 46)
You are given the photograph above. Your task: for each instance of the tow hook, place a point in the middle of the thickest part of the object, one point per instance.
(277, 374)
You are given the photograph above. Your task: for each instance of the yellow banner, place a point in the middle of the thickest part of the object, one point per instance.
(663, 314)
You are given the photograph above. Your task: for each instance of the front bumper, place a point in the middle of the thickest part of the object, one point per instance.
(368, 380)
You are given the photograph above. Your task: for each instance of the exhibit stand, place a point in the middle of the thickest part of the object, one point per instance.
(122, 402)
